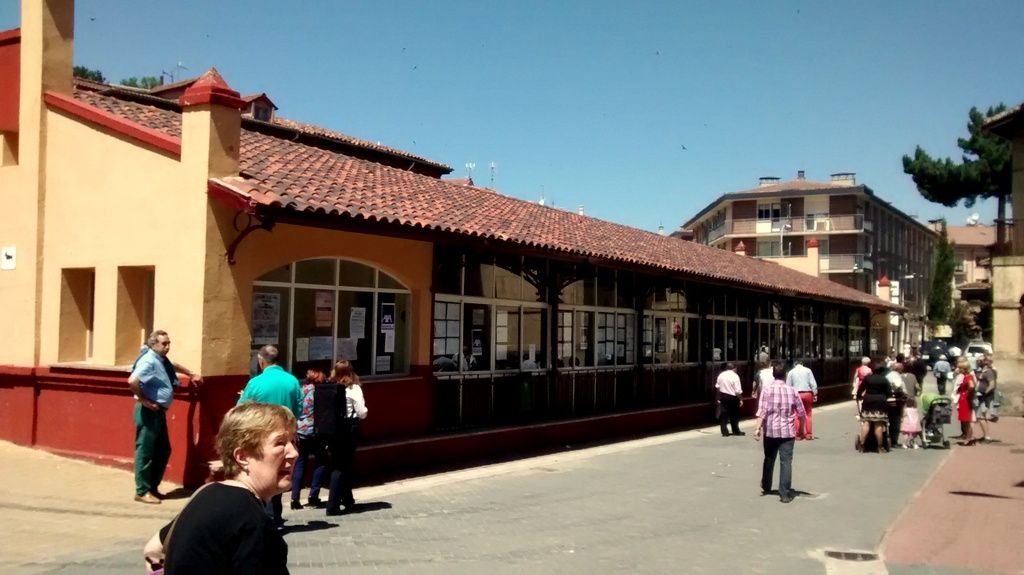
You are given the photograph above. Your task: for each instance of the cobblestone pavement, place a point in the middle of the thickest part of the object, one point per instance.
(683, 502)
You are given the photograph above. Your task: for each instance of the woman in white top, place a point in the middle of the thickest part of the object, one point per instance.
(346, 438)
(763, 378)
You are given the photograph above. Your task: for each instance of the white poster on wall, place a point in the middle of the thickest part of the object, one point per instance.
(347, 348)
(389, 342)
(357, 323)
(266, 318)
(302, 349)
(324, 309)
(383, 363)
(321, 347)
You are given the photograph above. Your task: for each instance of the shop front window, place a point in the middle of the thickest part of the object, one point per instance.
(319, 311)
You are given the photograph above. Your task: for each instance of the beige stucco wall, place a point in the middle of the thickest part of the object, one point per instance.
(114, 202)
(47, 29)
(809, 264)
(1007, 289)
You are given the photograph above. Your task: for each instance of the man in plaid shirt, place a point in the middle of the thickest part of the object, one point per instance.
(775, 408)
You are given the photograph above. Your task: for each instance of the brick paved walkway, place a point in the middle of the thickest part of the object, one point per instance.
(683, 502)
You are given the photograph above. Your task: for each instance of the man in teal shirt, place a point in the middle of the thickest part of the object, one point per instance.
(273, 384)
(277, 386)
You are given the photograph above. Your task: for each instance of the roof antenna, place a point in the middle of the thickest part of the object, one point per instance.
(494, 167)
(179, 68)
(469, 170)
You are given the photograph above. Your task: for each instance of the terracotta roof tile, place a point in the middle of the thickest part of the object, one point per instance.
(795, 185)
(979, 235)
(282, 175)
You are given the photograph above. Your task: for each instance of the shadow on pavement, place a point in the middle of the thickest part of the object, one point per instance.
(315, 525)
(978, 494)
(356, 508)
(178, 493)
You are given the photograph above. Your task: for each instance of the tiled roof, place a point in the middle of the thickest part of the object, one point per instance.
(143, 95)
(794, 185)
(316, 130)
(979, 235)
(285, 176)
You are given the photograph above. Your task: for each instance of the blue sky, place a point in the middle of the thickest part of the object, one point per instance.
(593, 103)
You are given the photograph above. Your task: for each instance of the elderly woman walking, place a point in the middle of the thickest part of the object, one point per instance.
(224, 528)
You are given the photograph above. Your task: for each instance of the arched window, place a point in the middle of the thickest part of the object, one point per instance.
(323, 310)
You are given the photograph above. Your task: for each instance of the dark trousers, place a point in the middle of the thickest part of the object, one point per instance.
(940, 383)
(273, 509)
(782, 449)
(317, 447)
(343, 449)
(152, 448)
(730, 413)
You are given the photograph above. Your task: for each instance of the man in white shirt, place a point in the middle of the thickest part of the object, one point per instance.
(801, 378)
(730, 399)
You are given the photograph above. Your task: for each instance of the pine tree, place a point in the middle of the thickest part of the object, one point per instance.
(983, 173)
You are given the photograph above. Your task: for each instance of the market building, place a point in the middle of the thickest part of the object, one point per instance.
(480, 323)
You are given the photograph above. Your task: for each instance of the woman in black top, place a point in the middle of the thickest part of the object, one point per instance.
(224, 528)
(874, 392)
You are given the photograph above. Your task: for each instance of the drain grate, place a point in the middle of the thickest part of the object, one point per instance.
(852, 556)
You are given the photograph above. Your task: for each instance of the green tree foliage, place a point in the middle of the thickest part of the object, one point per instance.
(940, 298)
(89, 74)
(983, 173)
(147, 82)
(963, 321)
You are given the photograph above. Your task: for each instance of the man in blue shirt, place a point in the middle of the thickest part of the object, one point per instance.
(153, 380)
(277, 386)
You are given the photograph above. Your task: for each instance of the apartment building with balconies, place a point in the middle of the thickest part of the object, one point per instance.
(860, 236)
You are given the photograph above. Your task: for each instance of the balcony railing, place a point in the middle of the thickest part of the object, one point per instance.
(815, 223)
(836, 263)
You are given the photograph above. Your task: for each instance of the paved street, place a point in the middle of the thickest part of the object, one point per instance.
(684, 502)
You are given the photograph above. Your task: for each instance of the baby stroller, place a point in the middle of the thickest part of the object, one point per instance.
(938, 412)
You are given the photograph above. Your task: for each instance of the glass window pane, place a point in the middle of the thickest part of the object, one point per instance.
(387, 282)
(743, 342)
(506, 338)
(479, 279)
(356, 341)
(319, 272)
(691, 336)
(534, 352)
(534, 278)
(355, 274)
(476, 338)
(447, 270)
(270, 307)
(564, 349)
(730, 341)
(314, 330)
(606, 288)
(508, 284)
(718, 340)
(583, 354)
(446, 335)
(392, 354)
(281, 274)
(624, 290)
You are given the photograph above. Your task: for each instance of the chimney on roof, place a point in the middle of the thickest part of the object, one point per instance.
(845, 178)
(581, 209)
(768, 181)
(211, 126)
(661, 230)
(800, 175)
(741, 249)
